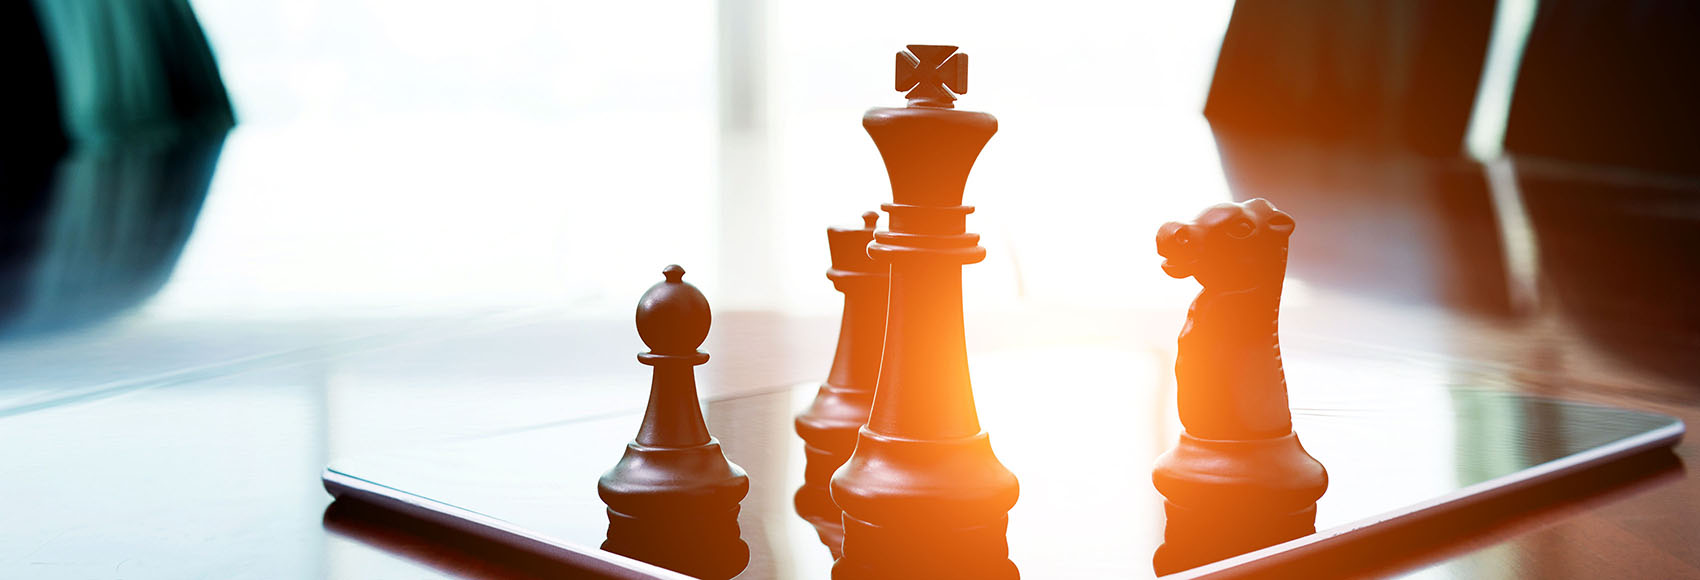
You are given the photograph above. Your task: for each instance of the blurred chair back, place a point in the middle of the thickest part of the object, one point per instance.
(1399, 75)
(32, 121)
(117, 121)
(127, 67)
(1611, 83)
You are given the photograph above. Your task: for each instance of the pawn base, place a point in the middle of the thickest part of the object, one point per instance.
(702, 545)
(660, 481)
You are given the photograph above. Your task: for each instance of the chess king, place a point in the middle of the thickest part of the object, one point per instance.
(923, 495)
(1238, 479)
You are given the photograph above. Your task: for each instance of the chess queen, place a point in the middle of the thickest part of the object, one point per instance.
(830, 424)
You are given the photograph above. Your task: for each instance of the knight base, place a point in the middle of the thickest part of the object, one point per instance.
(1255, 475)
(1192, 538)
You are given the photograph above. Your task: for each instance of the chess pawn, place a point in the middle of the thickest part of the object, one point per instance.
(923, 495)
(828, 427)
(1238, 464)
(673, 499)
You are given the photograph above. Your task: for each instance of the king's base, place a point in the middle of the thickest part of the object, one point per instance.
(1194, 537)
(814, 505)
(706, 546)
(878, 552)
(905, 482)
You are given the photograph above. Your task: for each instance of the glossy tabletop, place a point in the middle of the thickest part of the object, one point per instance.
(159, 443)
(196, 327)
(1405, 438)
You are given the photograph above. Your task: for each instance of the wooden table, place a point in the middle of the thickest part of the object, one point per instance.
(182, 433)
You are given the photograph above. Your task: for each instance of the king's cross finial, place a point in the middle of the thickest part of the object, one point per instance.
(925, 71)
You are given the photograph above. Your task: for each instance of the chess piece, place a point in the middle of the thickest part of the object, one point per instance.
(923, 495)
(673, 499)
(1238, 479)
(829, 426)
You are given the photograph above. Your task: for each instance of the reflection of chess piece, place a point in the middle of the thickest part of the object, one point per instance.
(829, 425)
(673, 498)
(1193, 538)
(1238, 480)
(923, 495)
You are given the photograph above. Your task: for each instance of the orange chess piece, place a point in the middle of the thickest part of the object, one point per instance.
(923, 495)
(1238, 479)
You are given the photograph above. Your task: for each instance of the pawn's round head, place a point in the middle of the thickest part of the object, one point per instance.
(1229, 246)
(673, 316)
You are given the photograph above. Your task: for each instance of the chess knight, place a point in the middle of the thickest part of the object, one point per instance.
(1238, 476)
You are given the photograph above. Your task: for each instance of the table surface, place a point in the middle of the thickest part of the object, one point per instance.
(194, 329)
(1414, 439)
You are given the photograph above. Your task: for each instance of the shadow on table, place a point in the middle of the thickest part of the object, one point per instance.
(1619, 256)
(1390, 225)
(1497, 517)
(438, 547)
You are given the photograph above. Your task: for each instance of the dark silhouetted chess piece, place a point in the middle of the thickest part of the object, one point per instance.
(1238, 479)
(673, 498)
(829, 426)
(923, 495)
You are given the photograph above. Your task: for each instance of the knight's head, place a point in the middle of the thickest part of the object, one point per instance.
(1230, 246)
